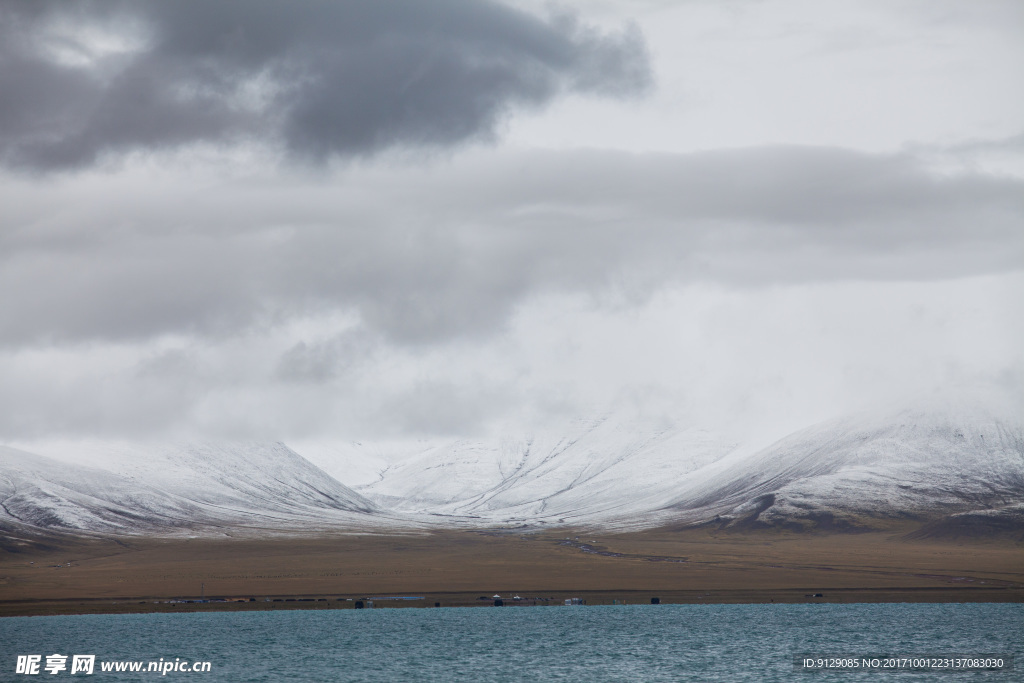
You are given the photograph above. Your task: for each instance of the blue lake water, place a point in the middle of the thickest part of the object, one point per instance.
(591, 644)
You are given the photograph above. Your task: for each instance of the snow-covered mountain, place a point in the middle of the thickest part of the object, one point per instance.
(953, 467)
(862, 470)
(39, 492)
(597, 470)
(917, 463)
(141, 488)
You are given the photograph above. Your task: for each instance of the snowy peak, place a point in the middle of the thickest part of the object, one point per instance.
(962, 464)
(915, 463)
(267, 475)
(133, 487)
(41, 492)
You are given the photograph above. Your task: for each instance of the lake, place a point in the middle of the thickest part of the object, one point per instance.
(592, 644)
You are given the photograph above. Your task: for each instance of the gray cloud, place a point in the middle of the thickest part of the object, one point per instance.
(231, 218)
(1013, 144)
(323, 79)
(434, 253)
(325, 361)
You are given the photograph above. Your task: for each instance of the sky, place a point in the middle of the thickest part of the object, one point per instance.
(359, 220)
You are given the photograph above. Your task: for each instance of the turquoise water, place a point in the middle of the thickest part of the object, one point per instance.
(591, 644)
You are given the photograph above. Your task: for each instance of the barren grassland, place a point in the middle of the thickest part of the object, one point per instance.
(454, 568)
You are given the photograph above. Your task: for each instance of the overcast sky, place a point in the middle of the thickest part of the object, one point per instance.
(368, 219)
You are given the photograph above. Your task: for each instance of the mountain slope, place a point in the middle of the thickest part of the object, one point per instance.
(597, 470)
(917, 463)
(954, 469)
(139, 488)
(45, 493)
(923, 463)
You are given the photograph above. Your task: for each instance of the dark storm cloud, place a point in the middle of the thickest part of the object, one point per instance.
(423, 255)
(323, 79)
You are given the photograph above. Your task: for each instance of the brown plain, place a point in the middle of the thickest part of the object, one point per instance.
(460, 567)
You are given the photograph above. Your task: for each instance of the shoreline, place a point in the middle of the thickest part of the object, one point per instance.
(432, 600)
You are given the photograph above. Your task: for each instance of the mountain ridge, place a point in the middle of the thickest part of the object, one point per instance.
(951, 467)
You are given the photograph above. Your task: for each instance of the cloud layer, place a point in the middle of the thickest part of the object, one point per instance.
(319, 79)
(430, 253)
(719, 358)
(262, 219)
